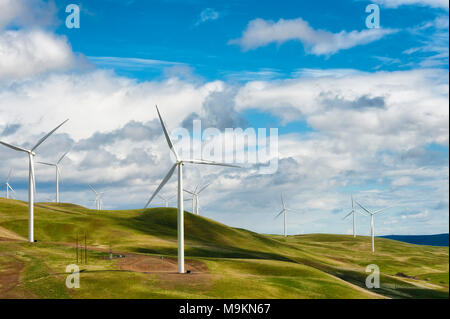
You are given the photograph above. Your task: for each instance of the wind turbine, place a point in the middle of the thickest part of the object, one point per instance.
(353, 212)
(58, 173)
(98, 198)
(178, 164)
(31, 178)
(372, 227)
(166, 200)
(8, 186)
(195, 199)
(50, 200)
(283, 211)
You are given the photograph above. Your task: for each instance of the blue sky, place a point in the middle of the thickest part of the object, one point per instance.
(358, 111)
(170, 31)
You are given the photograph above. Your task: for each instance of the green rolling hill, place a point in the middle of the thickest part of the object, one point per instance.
(225, 262)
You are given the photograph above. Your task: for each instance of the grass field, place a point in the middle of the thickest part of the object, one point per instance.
(225, 262)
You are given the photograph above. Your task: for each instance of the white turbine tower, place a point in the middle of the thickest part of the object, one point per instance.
(372, 226)
(353, 212)
(8, 186)
(58, 173)
(31, 178)
(283, 211)
(98, 198)
(179, 164)
(195, 199)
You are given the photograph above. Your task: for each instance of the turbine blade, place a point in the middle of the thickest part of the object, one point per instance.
(164, 181)
(363, 207)
(189, 192)
(380, 210)
(282, 201)
(93, 189)
(59, 173)
(48, 164)
(16, 148)
(209, 163)
(347, 215)
(48, 134)
(282, 211)
(169, 141)
(62, 157)
(9, 176)
(360, 213)
(202, 189)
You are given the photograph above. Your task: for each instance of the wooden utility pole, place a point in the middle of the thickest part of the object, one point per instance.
(85, 249)
(110, 250)
(77, 248)
(81, 250)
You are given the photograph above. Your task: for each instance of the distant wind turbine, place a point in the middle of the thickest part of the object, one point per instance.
(166, 200)
(353, 212)
(31, 178)
(50, 200)
(372, 227)
(283, 211)
(195, 199)
(179, 164)
(8, 186)
(58, 173)
(98, 198)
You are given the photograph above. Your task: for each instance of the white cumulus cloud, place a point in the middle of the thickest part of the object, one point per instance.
(397, 3)
(27, 53)
(261, 32)
(27, 13)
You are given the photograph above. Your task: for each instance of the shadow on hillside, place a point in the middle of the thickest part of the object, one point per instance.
(389, 287)
(213, 252)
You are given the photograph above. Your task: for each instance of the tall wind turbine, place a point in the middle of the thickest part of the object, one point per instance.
(58, 173)
(284, 210)
(8, 186)
(353, 212)
(31, 178)
(98, 198)
(372, 227)
(195, 199)
(179, 164)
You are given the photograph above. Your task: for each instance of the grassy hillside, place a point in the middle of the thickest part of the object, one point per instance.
(225, 262)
